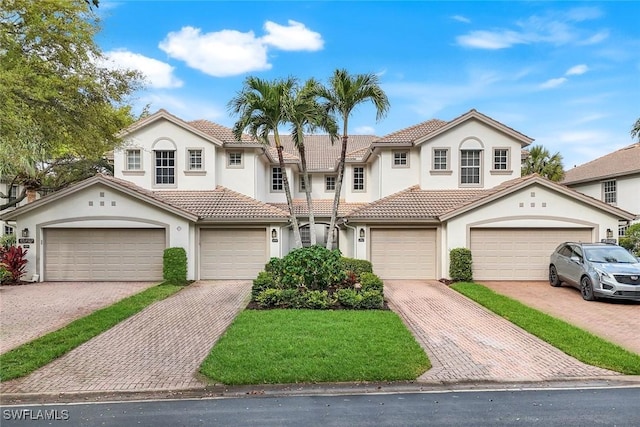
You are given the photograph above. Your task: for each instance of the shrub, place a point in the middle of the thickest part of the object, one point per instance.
(262, 282)
(174, 266)
(460, 267)
(357, 266)
(371, 300)
(349, 298)
(318, 300)
(7, 241)
(13, 261)
(631, 239)
(279, 298)
(275, 266)
(371, 282)
(315, 268)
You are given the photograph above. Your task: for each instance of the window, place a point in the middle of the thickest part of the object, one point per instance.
(400, 159)
(195, 159)
(9, 229)
(13, 194)
(165, 167)
(234, 159)
(330, 183)
(470, 167)
(609, 191)
(277, 180)
(440, 157)
(501, 159)
(358, 178)
(301, 187)
(134, 160)
(305, 235)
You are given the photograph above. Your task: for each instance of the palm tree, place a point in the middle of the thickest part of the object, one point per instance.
(260, 105)
(305, 113)
(635, 131)
(344, 93)
(541, 162)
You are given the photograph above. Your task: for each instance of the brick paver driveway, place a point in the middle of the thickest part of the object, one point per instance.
(30, 311)
(615, 321)
(159, 348)
(465, 342)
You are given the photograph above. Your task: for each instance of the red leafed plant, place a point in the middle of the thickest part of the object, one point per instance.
(13, 260)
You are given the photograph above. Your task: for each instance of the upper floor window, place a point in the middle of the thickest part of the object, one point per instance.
(609, 191)
(441, 159)
(400, 159)
(277, 180)
(234, 159)
(330, 183)
(501, 159)
(302, 188)
(470, 167)
(134, 159)
(358, 178)
(9, 229)
(13, 194)
(165, 167)
(195, 159)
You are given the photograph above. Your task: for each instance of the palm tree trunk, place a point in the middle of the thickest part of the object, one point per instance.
(336, 199)
(287, 191)
(307, 191)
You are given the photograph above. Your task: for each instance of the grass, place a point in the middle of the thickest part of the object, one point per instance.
(572, 340)
(308, 346)
(25, 359)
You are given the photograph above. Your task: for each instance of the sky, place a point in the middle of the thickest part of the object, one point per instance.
(566, 73)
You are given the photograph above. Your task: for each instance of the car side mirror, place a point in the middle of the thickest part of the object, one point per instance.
(576, 259)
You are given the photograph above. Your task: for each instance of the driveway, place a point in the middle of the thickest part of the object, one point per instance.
(30, 311)
(466, 342)
(158, 349)
(615, 321)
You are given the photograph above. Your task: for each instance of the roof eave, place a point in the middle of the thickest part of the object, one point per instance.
(601, 178)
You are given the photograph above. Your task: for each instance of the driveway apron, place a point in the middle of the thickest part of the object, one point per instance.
(466, 342)
(159, 348)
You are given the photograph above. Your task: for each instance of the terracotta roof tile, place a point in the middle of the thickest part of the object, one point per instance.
(621, 162)
(219, 132)
(322, 207)
(410, 134)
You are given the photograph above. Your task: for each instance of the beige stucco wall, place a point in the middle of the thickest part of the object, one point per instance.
(627, 188)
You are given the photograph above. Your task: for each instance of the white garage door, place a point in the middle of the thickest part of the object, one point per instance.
(232, 253)
(518, 254)
(408, 253)
(99, 254)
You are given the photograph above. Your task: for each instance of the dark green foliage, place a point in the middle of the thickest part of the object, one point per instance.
(460, 269)
(318, 300)
(174, 266)
(357, 266)
(349, 298)
(371, 300)
(371, 282)
(631, 239)
(315, 268)
(365, 300)
(264, 281)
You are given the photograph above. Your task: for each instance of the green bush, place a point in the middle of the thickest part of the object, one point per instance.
(357, 266)
(275, 266)
(460, 269)
(631, 239)
(349, 298)
(371, 300)
(371, 282)
(317, 300)
(7, 240)
(174, 266)
(315, 268)
(280, 298)
(264, 281)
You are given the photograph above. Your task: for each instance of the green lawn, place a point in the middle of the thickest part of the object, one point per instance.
(307, 346)
(25, 359)
(572, 340)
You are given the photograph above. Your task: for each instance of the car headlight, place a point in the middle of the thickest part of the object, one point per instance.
(604, 276)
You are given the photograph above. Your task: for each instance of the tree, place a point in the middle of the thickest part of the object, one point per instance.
(261, 107)
(343, 94)
(305, 113)
(631, 239)
(540, 161)
(57, 102)
(635, 131)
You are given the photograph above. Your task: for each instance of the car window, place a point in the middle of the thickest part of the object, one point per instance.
(565, 251)
(613, 254)
(577, 251)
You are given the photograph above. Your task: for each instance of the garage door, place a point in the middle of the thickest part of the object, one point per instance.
(232, 253)
(404, 253)
(88, 254)
(518, 254)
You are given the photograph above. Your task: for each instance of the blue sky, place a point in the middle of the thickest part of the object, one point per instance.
(564, 73)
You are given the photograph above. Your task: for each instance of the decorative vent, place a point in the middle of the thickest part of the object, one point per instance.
(102, 194)
(544, 204)
(533, 205)
(521, 205)
(113, 203)
(90, 203)
(101, 203)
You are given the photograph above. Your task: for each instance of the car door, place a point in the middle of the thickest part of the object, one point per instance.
(575, 265)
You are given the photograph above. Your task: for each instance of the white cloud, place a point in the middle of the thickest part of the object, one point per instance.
(295, 36)
(596, 38)
(158, 74)
(461, 18)
(220, 54)
(577, 70)
(364, 130)
(490, 39)
(551, 83)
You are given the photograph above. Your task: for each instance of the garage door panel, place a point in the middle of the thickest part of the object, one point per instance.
(403, 253)
(518, 254)
(232, 253)
(103, 254)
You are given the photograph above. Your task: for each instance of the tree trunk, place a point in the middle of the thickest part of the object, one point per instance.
(287, 192)
(336, 199)
(307, 191)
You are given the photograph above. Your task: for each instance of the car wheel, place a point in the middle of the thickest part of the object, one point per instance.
(586, 289)
(554, 280)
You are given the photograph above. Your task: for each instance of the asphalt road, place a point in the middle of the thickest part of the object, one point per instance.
(582, 407)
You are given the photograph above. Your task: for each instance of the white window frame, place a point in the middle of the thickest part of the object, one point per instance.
(477, 167)
(357, 186)
(301, 188)
(305, 235)
(496, 165)
(276, 181)
(400, 159)
(13, 193)
(127, 165)
(326, 183)
(191, 166)
(231, 161)
(172, 168)
(610, 191)
(447, 159)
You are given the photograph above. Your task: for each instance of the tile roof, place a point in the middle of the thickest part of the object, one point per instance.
(222, 204)
(321, 207)
(625, 161)
(219, 132)
(415, 204)
(410, 134)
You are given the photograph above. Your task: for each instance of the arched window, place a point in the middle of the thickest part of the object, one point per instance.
(164, 155)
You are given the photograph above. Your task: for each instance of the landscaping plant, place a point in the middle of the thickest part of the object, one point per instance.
(13, 264)
(460, 268)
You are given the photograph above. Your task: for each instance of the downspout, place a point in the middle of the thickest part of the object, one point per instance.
(355, 238)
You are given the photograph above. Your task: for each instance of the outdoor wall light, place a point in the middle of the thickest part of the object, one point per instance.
(25, 232)
(362, 233)
(609, 233)
(274, 233)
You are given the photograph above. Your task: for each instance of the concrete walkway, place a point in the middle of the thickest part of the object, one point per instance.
(159, 348)
(466, 342)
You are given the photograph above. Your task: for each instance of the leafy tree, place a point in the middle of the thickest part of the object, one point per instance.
(540, 161)
(58, 103)
(261, 107)
(343, 94)
(635, 131)
(305, 113)
(631, 239)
